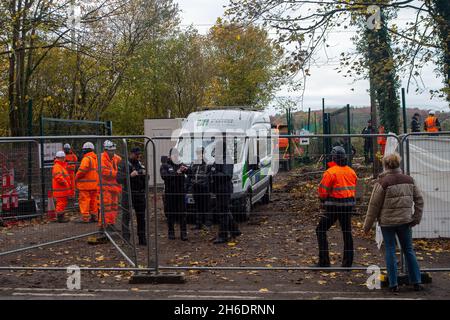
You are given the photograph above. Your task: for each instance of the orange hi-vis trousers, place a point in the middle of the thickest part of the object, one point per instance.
(111, 206)
(61, 204)
(88, 202)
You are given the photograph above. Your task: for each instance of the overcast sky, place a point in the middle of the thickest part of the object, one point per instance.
(324, 82)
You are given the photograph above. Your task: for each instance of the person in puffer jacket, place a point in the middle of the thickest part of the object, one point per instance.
(397, 204)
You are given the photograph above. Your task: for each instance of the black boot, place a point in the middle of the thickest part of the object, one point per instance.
(394, 289)
(235, 232)
(171, 227)
(62, 218)
(183, 230)
(126, 236)
(142, 240)
(93, 218)
(346, 264)
(418, 287)
(220, 240)
(321, 265)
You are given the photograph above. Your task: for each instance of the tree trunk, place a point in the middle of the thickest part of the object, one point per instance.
(442, 16)
(13, 80)
(382, 75)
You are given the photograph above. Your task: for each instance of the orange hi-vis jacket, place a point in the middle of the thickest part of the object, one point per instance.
(110, 168)
(61, 182)
(381, 140)
(338, 186)
(87, 175)
(431, 124)
(71, 160)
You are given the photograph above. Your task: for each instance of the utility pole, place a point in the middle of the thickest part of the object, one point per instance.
(74, 24)
(309, 119)
(405, 121)
(373, 116)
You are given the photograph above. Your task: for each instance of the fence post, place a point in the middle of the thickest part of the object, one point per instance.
(108, 127)
(130, 204)
(349, 140)
(98, 148)
(30, 133)
(41, 132)
(315, 123)
(309, 120)
(405, 127)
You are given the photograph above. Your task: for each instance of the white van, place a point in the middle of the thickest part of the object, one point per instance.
(247, 136)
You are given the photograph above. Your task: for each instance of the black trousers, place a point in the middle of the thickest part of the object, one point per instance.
(175, 210)
(138, 201)
(368, 152)
(332, 214)
(202, 202)
(227, 224)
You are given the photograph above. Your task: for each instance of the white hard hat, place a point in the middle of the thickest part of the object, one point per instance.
(60, 154)
(109, 145)
(88, 145)
(431, 112)
(67, 146)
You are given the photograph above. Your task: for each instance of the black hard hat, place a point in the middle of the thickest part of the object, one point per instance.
(338, 155)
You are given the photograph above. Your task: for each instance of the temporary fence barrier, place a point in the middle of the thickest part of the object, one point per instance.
(427, 161)
(115, 199)
(286, 231)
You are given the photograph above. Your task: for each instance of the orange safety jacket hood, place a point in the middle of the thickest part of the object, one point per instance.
(61, 183)
(87, 174)
(110, 169)
(337, 185)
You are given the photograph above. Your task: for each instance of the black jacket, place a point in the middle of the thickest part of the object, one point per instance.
(174, 182)
(137, 184)
(199, 175)
(415, 125)
(368, 141)
(221, 178)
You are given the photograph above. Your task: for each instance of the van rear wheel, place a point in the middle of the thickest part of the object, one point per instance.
(246, 208)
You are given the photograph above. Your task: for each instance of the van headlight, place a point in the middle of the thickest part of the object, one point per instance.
(236, 178)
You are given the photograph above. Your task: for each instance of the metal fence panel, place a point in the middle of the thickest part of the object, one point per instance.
(279, 234)
(285, 234)
(428, 163)
(41, 243)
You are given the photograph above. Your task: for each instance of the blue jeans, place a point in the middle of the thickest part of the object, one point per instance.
(405, 237)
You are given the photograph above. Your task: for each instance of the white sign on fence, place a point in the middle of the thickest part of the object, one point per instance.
(50, 150)
(304, 141)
